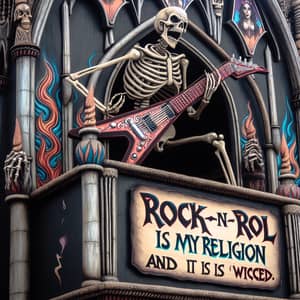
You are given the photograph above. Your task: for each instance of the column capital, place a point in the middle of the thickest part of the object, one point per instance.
(24, 50)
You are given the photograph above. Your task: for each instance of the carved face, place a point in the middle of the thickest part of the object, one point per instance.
(171, 23)
(23, 16)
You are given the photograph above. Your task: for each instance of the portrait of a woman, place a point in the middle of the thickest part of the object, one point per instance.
(248, 21)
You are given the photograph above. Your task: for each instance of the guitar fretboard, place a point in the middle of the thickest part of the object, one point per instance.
(183, 100)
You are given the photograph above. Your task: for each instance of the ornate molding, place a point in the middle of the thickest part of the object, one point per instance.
(292, 226)
(24, 50)
(108, 223)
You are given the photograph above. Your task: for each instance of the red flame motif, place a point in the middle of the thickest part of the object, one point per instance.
(285, 157)
(111, 8)
(90, 109)
(44, 128)
(248, 129)
(80, 117)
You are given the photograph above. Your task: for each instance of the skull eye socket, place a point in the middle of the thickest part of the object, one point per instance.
(174, 19)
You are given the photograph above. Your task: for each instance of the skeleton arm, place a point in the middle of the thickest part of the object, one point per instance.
(184, 65)
(73, 78)
(133, 54)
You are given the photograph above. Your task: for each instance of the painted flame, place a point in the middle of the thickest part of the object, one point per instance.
(285, 157)
(248, 129)
(17, 141)
(49, 160)
(90, 109)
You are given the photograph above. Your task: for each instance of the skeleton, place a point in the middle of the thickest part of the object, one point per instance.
(17, 171)
(23, 20)
(153, 72)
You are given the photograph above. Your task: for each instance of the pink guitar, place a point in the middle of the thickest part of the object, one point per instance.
(144, 127)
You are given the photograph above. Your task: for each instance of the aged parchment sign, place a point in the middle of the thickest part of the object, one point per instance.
(197, 239)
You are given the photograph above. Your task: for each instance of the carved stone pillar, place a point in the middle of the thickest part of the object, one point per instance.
(19, 248)
(90, 151)
(292, 230)
(18, 161)
(108, 223)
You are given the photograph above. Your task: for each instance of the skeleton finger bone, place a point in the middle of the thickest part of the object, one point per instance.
(17, 164)
(114, 108)
(212, 84)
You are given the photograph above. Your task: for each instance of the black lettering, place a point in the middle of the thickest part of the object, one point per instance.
(151, 205)
(181, 217)
(191, 265)
(267, 237)
(197, 217)
(256, 229)
(242, 220)
(205, 268)
(169, 220)
(222, 218)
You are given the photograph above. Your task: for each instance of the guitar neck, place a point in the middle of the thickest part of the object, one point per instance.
(183, 100)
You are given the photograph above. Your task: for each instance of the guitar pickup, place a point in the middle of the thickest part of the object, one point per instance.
(168, 111)
(149, 123)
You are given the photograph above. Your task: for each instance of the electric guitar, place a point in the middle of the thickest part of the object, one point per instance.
(144, 127)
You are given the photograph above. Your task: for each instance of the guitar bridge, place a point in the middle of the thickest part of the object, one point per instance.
(136, 130)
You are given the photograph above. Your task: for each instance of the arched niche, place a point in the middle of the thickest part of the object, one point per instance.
(196, 158)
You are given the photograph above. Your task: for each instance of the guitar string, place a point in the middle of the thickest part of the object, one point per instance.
(181, 101)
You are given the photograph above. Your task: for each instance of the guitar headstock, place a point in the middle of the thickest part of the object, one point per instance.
(242, 68)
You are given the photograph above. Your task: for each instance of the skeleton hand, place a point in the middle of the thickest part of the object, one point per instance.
(114, 108)
(212, 84)
(253, 158)
(17, 171)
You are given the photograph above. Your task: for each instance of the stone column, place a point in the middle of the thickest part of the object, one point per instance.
(18, 162)
(108, 224)
(292, 230)
(90, 151)
(19, 248)
(18, 185)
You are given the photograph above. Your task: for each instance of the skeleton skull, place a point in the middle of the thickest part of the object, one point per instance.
(23, 16)
(171, 23)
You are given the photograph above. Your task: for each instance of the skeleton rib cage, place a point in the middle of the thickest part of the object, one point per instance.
(145, 77)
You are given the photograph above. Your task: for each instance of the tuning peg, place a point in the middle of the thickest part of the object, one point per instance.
(240, 58)
(245, 61)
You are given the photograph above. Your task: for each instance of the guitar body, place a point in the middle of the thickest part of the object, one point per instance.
(142, 128)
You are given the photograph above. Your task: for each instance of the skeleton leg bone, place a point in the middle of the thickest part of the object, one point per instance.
(223, 158)
(216, 141)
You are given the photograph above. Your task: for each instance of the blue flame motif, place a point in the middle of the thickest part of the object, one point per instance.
(288, 130)
(243, 139)
(44, 112)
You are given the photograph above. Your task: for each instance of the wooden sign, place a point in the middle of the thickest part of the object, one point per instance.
(198, 239)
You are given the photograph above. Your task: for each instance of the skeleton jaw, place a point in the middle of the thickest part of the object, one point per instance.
(171, 38)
